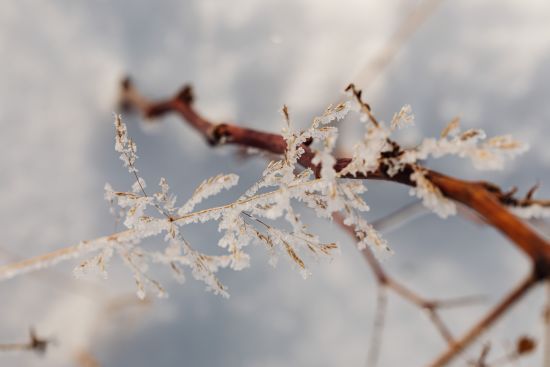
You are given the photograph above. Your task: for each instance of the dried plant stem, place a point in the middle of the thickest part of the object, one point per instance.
(70, 252)
(400, 217)
(494, 314)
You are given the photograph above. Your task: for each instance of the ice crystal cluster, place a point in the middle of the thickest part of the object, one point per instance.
(256, 216)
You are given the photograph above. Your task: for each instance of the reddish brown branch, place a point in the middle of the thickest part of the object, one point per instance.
(487, 199)
(484, 198)
(477, 196)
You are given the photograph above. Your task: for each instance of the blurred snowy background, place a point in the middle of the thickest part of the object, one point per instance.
(60, 68)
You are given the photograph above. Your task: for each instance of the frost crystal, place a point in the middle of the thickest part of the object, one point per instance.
(431, 197)
(96, 264)
(403, 118)
(208, 188)
(534, 211)
(367, 153)
(124, 145)
(485, 154)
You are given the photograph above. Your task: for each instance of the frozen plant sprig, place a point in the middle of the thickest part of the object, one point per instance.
(125, 145)
(240, 222)
(431, 196)
(377, 149)
(245, 221)
(485, 154)
(274, 196)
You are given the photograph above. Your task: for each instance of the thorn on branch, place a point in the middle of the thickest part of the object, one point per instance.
(508, 197)
(510, 193)
(491, 187)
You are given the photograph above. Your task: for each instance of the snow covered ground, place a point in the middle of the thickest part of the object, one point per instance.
(59, 71)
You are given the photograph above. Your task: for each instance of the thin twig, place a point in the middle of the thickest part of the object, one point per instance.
(10, 270)
(481, 361)
(378, 326)
(400, 217)
(385, 281)
(35, 343)
(494, 314)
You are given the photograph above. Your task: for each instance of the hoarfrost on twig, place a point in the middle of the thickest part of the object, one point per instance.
(249, 219)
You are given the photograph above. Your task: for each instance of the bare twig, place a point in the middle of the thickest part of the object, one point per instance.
(481, 361)
(35, 343)
(431, 307)
(400, 217)
(509, 300)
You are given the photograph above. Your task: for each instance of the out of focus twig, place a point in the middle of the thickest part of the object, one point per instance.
(404, 32)
(523, 346)
(495, 313)
(84, 358)
(386, 282)
(35, 343)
